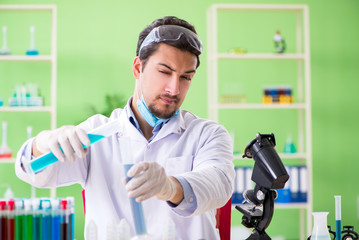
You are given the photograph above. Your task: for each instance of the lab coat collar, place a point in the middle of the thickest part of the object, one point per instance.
(175, 125)
(127, 128)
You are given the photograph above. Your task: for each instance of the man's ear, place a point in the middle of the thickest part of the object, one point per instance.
(136, 67)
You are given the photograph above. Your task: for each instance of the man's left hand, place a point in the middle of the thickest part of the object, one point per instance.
(149, 179)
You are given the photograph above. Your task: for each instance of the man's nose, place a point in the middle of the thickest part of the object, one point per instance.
(173, 84)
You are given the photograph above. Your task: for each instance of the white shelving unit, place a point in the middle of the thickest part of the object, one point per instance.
(52, 59)
(303, 101)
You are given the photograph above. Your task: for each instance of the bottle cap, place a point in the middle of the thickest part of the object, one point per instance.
(11, 204)
(70, 200)
(19, 204)
(55, 203)
(63, 204)
(2, 205)
(35, 204)
(27, 204)
(46, 204)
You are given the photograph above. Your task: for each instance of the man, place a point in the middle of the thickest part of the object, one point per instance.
(183, 164)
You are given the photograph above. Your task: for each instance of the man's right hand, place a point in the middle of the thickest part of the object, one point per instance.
(69, 138)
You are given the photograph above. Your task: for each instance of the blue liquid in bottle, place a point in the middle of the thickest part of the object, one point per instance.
(36, 227)
(137, 210)
(46, 227)
(55, 227)
(72, 227)
(338, 229)
(49, 158)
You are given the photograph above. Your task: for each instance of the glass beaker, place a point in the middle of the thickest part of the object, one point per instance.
(320, 229)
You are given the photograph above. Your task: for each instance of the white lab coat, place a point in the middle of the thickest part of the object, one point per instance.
(198, 150)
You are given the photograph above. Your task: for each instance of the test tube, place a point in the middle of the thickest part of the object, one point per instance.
(46, 220)
(55, 211)
(36, 226)
(19, 215)
(27, 221)
(3, 220)
(64, 220)
(34, 166)
(11, 220)
(338, 218)
(136, 207)
(71, 226)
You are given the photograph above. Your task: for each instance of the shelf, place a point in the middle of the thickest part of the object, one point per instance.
(7, 160)
(47, 58)
(27, 7)
(217, 55)
(25, 109)
(259, 7)
(37, 58)
(260, 106)
(271, 56)
(281, 155)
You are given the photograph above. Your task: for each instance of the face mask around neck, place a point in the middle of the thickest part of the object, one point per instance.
(151, 119)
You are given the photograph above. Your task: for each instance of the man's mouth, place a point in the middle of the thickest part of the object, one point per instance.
(168, 100)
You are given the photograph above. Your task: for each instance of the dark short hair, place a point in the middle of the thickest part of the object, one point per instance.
(147, 51)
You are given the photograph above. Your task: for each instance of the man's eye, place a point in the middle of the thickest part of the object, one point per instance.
(187, 78)
(164, 72)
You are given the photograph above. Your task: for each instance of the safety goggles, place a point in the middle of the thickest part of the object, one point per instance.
(172, 33)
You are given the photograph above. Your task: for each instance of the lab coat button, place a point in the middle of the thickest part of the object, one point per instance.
(191, 199)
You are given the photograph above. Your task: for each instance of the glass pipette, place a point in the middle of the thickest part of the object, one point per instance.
(95, 135)
(338, 218)
(136, 207)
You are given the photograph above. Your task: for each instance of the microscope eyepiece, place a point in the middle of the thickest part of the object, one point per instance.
(268, 171)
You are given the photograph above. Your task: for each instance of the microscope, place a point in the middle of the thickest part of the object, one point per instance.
(268, 174)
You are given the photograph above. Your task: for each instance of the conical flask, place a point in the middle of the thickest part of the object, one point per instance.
(320, 229)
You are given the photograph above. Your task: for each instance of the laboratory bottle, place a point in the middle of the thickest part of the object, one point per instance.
(169, 230)
(5, 151)
(4, 50)
(46, 220)
(19, 215)
(91, 230)
(111, 230)
(11, 219)
(71, 225)
(64, 219)
(289, 146)
(27, 220)
(320, 229)
(123, 230)
(32, 50)
(55, 213)
(3, 220)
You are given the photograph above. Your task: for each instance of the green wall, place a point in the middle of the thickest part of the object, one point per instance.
(96, 47)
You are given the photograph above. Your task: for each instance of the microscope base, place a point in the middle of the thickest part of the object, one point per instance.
(258, 236)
